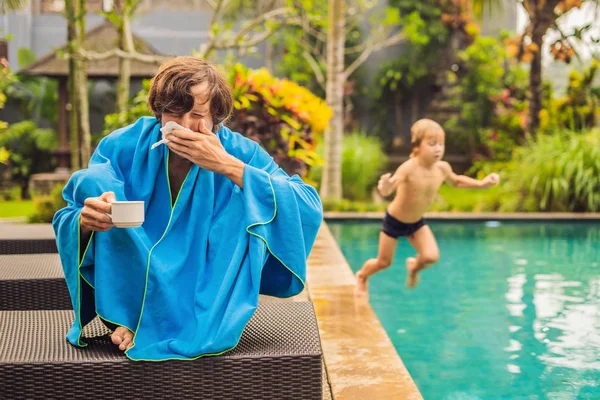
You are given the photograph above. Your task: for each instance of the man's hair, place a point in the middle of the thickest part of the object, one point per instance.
(171, 88)
(419, 130)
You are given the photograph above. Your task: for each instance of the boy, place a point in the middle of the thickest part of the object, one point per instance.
(416, 183)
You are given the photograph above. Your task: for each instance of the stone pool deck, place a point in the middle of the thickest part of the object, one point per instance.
(360, 360)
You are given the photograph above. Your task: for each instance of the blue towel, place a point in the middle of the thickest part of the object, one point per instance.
(187, 281)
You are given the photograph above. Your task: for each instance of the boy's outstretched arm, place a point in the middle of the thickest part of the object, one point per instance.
(463, 181)
(388, 182)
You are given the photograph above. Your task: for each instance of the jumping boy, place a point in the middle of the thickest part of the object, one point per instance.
(416, 182)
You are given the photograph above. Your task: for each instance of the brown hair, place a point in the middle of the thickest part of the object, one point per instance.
(171, 88)
(419, 130)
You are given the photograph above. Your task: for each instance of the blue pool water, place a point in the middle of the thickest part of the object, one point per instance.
(511, 311)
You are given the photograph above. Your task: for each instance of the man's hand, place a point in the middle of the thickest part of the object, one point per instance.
(93, 215)
(202, 148)
(490, 180)
(386, 184)
(206, 151)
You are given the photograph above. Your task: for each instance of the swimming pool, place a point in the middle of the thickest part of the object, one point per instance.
(511, 311)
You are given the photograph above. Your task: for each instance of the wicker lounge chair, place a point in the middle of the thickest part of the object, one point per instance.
(278, 357)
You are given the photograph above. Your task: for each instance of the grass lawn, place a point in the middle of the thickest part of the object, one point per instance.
(18, 208)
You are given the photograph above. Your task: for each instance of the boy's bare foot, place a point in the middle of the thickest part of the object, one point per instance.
(412, 277)
(122, 337)
(362, 286)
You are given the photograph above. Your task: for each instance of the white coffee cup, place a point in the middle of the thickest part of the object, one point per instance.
(127, 214)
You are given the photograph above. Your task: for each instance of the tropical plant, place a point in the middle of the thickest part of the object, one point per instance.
(7, 78)
(491, 98)
(138, 108)
(559, 172)
(581, 105)
(285, 118)
(47, 205)
(363, 160)
(543, 16)
(29, 151)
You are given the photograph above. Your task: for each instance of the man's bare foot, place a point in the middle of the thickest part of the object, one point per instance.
(122, 337)
(412, 274)
(362, 286)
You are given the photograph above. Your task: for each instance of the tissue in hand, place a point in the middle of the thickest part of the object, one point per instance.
(169, 126)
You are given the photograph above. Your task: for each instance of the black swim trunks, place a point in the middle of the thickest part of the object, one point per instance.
(394, 228)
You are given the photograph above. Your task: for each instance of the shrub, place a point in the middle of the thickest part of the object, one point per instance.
(285, 118)
(362, 162)
(47, 205)
(492, 101)
(28, 151)
(578, 109)
(559, 172)
(138, 108)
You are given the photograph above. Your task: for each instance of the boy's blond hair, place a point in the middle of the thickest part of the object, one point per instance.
(419, 130)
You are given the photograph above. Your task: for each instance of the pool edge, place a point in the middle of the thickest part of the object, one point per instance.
(462, 216)
(360, 358)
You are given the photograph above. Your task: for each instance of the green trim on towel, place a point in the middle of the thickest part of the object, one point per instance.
(267, 244)
(238, 341)
(156, 244)
(80, 259)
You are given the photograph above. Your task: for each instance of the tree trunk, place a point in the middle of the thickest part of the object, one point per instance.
(126, 44)
(71, 9)
(82, 86)
(535, 85)
(331, 184)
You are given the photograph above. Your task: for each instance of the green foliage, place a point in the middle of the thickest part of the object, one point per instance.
(36, 97)
(7, 78)
(399, 79)
(362, 163)
(29, 149)
(25, 57)
(579, 108)
(559, 172)
(11, 193)
(137, 109)
(47, 205)
(492, 98)
(451, 199)
(285, 118)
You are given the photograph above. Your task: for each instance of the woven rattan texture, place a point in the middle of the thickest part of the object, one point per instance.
(30, 266)
(27, 246)
(32, 282)
(278, 357)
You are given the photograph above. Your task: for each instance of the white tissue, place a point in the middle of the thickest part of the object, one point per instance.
(169, 126)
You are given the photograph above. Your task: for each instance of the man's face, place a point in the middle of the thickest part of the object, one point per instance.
(200, 111)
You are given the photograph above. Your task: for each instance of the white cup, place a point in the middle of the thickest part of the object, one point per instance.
(127, 214)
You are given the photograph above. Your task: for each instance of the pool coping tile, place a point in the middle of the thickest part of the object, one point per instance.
(475, 216)
(360, 358)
